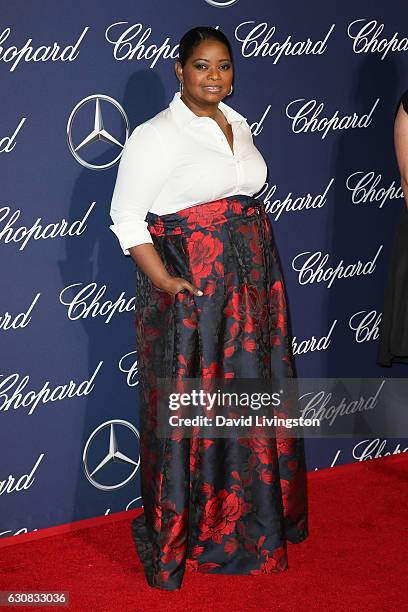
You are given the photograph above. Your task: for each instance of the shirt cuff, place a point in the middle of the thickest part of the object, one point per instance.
(131, 234)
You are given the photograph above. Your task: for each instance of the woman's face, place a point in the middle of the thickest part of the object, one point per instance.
(207, 74)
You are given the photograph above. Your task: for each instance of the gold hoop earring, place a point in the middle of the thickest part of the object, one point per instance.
(181, 87)
(231, 90)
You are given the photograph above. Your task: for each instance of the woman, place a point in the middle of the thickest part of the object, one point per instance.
(210, 304)
(393, 342)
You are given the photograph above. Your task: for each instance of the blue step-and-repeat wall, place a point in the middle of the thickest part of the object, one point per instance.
(318, 82)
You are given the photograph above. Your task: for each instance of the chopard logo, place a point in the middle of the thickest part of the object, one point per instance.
(364, 187)
(312, 268)
(365, 324)
(221, 3)
(80, 306)
(98, 132)
(367, 37)
(42, 53)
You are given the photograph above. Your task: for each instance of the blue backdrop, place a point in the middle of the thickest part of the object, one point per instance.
(319, 88)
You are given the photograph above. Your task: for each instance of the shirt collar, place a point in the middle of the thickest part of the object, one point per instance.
(184, 115)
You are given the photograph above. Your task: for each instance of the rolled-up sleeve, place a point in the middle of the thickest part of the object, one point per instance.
(141, 174)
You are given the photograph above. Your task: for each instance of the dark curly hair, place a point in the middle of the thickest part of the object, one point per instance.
(195, 36)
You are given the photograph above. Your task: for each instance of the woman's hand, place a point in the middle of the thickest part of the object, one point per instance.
(175, 284)
(148, 260)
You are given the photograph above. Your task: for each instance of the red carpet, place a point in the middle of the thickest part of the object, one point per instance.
(355, 558)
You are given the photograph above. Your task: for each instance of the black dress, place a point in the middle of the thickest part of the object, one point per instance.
(393, 341)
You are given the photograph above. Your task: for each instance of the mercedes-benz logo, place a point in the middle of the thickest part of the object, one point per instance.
(221, 3)
(113, 454)
(98, 132)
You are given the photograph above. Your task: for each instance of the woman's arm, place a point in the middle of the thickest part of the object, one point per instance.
(142, 173)
(146, 257)
(401, 147)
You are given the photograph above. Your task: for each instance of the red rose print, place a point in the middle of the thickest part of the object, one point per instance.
(232, 307)
(203, 216)
(214, 370)
(236, 206)
(261, 448)
(247, 304)
(175, 546)
(284, 446)
(228, 351)
(209, 287)
(221, 513)
(278, 307)
(249, 345)
(157, 228)
(266, 476)
(275, 563)
(230, 546)
(191, 323)
(202, 251)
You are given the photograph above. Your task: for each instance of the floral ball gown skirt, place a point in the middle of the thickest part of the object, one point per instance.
(215, 505)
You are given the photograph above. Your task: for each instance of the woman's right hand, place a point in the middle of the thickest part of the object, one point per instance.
(175, 284)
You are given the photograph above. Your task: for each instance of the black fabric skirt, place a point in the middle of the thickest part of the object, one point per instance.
(393, 339)
(219, 505)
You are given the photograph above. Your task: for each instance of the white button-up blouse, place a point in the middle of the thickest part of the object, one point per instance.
(177, 159)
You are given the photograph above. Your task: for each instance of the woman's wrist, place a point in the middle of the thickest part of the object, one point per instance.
(162, 282)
